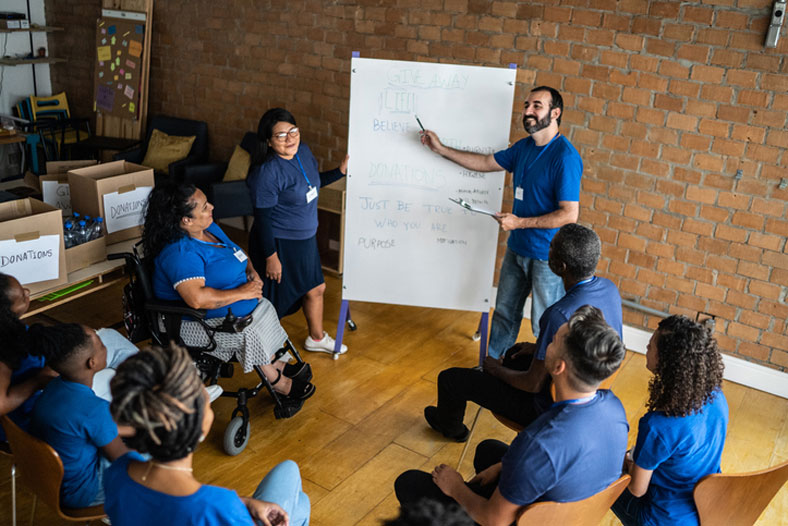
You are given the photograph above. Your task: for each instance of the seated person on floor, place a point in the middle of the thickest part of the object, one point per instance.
(680, 438)
(571, 452)
(23, 371)
(159, 394)
(69, 416)
(518, 387)
(194, 261)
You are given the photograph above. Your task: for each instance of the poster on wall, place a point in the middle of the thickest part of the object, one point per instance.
(118, 66)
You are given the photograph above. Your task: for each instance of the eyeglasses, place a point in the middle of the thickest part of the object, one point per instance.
(282, 136)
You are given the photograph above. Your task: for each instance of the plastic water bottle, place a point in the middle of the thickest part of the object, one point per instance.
(82, 233)
(97, 228)
(75, 218)
(68, 234)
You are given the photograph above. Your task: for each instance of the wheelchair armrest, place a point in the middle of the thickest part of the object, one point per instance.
(174, 307)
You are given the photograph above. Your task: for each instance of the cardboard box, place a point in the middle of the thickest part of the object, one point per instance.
(28, 250)
(54, 185)
(86, 254)
(124, 185)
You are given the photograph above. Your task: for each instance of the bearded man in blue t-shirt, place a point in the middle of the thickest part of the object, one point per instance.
(546, 171)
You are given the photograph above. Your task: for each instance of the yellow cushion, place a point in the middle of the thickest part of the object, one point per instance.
(238, 167)
(165, 149)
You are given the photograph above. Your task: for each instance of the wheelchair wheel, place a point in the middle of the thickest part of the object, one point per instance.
(236, 436)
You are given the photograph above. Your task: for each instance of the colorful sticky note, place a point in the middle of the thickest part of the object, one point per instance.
(120, 85)
(131, 107)
(129, 92)
(128, 76)
(121, 72)
(112, 66)
(125, 43)
(115, 77)
(104, 53)
(118, 52)
(101, 74)
(103, 31)
(135, 48)
(117, 61)
(111, 30)
(103, 41)
(131, 64)
(112, 41)
(126, 33)
(105, 98)
(138, 29)
(101, 63)
(109, 83)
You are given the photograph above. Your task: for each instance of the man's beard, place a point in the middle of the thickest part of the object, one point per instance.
(533, 125)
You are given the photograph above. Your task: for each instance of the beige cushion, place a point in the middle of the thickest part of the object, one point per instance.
(164, 150)
(238, 167)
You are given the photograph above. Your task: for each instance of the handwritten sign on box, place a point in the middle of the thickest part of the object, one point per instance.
(31, 261)
(125, 209)
(58, 195)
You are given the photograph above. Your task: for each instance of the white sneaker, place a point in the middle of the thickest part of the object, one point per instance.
(324, 345)
(214, 391)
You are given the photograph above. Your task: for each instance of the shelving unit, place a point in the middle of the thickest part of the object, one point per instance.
(33, 29)
(331, 226)
(37, 60)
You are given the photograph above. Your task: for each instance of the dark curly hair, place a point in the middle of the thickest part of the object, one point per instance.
(167, 205)
(427, 512)
(12, 330)
(159, 393)
(579, 248)
(592, 347)
(265, 130)
(58, 344)
(689, 367)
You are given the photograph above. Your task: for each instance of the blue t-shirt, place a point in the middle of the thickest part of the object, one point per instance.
(599, 292)
(547, 175)
(572, 451)
(281, 184)
(216, 263)
(680, 451)
(29, 367)
(76, 423)
(129, 503)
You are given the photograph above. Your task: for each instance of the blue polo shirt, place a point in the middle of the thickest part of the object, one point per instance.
(599, 292)
(680, 450)
(282, 184)
(572, 451)
(216, 263)
(29, 367)
(76, 423)
(547, 175)
(131, 504)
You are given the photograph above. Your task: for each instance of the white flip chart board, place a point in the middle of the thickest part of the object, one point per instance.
(405, 242)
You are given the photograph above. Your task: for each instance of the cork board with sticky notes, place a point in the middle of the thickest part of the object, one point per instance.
(118, 68)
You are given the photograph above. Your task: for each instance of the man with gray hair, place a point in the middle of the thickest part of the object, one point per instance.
(518, 386)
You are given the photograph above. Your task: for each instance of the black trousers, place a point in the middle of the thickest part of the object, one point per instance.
(457, 386)
(415, 485)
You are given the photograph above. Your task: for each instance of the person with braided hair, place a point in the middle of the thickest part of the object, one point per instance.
(69, 416)
(159, 394)
(681, 437)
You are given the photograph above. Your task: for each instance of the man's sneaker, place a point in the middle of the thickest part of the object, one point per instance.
(324, 345)
(214, 391)
(431, 416)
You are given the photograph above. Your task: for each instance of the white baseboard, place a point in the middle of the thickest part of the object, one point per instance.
(736, 370)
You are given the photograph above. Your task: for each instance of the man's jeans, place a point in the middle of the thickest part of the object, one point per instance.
(520, 276)
(282, 486)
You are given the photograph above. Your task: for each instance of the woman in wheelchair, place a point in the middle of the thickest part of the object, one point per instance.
(195, 262)
(159, 394)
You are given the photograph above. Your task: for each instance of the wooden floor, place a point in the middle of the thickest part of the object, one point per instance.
(364, 425)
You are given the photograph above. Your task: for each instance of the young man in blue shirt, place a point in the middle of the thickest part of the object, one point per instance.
(546, 172)
(518, 386)
(571, 452)
(70, 417)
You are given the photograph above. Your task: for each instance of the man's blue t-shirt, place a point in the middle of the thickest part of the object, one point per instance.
(680, 450)
(76, 423)
(222, 266)
(572, 451)
(547, 175)
(599, 292)
(282, 185)
(129, 503)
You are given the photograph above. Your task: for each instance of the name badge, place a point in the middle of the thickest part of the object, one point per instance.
(518, 193)
(311, 194)
(239, 255)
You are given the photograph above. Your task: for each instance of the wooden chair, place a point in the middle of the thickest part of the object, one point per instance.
(514, 426)
(41, 470)
(587, 512)
(737, 499)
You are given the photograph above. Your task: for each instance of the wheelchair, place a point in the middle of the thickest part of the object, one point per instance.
(146, 317)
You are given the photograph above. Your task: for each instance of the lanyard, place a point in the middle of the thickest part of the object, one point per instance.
(528, 168)
(589, 280)
(303, 172)
(583, 400)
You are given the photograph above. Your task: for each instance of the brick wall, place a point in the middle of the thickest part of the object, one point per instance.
(677, 109)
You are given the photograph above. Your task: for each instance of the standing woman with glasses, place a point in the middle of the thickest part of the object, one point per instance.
(284, 183)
